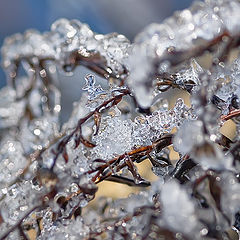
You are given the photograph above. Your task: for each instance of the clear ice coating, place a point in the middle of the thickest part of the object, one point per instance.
(114, 137)
(128, 205)
(65, 230)
(115, 48)
(203, 20)
(92, 90)
(198, 146)
(140, 69)
(65, 36)
(78, 162)
(38, 133)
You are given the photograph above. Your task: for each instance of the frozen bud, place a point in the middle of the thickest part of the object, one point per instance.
(115, 48)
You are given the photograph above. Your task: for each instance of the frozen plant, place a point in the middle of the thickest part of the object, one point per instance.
(50, 171)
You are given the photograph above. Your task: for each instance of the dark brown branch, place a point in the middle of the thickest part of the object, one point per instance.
(126, 181)
(99, 176)
(78, 130)
(96, 63)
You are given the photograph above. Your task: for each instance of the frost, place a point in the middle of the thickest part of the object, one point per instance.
(117, 136)
(71, 229)
(78, 162)
(189, 77)
(114, 138)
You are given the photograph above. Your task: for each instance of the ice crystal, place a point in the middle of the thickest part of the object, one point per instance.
(96, 94)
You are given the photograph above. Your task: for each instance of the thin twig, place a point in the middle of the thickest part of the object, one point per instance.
(230, 115)
(18, 223)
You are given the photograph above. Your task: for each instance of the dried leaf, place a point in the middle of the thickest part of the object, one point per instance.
(86, 142)
(132, 168)
(65, 155)
(97, 121)
(1, 219)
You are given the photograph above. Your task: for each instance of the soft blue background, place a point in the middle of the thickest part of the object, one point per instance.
(123, 16)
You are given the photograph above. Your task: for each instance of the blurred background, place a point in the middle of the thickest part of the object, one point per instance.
(123, 16)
